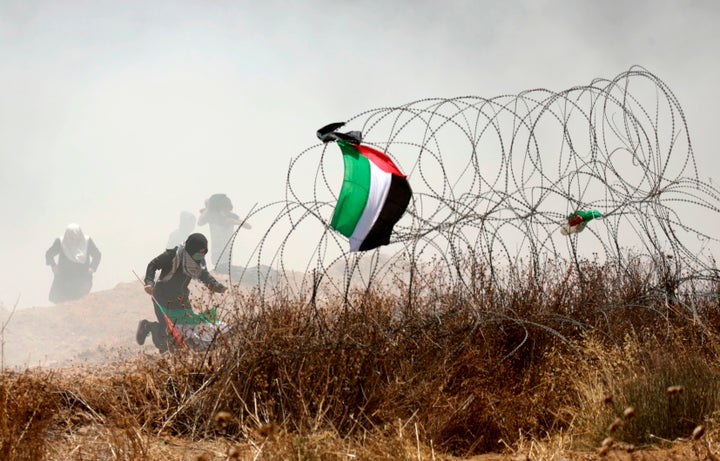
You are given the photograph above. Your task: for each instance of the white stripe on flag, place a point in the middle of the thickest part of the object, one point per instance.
(380, 182)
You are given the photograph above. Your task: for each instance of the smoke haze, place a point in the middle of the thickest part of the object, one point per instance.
(120, 115)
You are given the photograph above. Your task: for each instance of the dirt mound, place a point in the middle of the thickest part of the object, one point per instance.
(96, 329)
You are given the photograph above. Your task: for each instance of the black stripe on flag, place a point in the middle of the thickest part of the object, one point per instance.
(395, 205)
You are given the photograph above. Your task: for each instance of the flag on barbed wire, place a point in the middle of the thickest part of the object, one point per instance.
(577, 221)
(375, 193)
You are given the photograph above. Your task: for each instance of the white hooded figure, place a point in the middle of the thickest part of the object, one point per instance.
(73, 258)
(223, 222)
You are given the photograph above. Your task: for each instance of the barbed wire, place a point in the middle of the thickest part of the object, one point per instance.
(495, 179)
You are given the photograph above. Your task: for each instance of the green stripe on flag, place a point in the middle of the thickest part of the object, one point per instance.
(354, 191)
(188, 317)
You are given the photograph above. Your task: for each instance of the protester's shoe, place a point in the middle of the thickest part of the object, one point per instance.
(142, 332)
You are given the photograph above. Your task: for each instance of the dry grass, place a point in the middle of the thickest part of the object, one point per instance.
(531, 365)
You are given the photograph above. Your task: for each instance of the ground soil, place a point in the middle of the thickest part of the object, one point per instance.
(97, 329)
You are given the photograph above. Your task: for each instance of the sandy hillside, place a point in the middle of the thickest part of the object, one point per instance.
(96, 329)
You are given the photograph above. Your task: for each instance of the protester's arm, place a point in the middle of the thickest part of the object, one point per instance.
(235, 220)
(160, 262)
(95, 255)
(211, 282)
(53, 251)
(202, 217)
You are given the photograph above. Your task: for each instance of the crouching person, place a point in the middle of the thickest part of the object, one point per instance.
(171, 295)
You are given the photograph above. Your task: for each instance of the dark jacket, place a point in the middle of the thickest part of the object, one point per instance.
(64, 264)
(174, 293)
(72, 280)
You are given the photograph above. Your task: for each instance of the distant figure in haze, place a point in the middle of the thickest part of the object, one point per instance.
(77, 259)
(171, 295)
(222, 221)
(185, 227)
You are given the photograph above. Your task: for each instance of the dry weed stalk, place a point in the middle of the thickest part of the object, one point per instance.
(459, 367)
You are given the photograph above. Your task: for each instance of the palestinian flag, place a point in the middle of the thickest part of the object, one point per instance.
(373, 197)
(577, 221)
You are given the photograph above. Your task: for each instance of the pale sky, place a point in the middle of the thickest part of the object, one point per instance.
(120, 115)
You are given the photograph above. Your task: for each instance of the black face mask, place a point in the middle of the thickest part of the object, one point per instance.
(195, 243)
